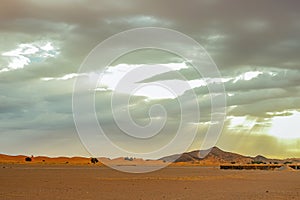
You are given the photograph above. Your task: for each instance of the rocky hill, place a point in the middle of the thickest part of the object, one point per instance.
(218, 156)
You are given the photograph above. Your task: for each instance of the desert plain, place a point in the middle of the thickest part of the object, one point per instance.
(89, 182)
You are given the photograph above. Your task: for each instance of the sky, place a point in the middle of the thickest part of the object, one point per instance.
(255, 45)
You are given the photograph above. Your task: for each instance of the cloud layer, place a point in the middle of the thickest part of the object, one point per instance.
(255, 44)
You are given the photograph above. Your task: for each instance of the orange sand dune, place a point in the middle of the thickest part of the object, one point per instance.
(20, 159)
(75, 160)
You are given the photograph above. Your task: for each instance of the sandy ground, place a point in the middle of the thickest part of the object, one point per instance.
(93, 182)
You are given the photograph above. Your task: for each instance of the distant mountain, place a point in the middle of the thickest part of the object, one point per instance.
(218, 156)
(214, 155)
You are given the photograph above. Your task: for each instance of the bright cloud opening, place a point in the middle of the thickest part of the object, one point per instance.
(286, 126)
(114, 74)
(28, 53)
(63, 78)
(247, 76)
(241, 123)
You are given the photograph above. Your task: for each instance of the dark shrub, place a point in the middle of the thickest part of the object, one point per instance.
(257, 162)
(129, 158)
(28, 159)
(94, 160)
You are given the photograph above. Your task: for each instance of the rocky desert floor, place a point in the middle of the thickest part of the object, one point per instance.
(66, 182)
